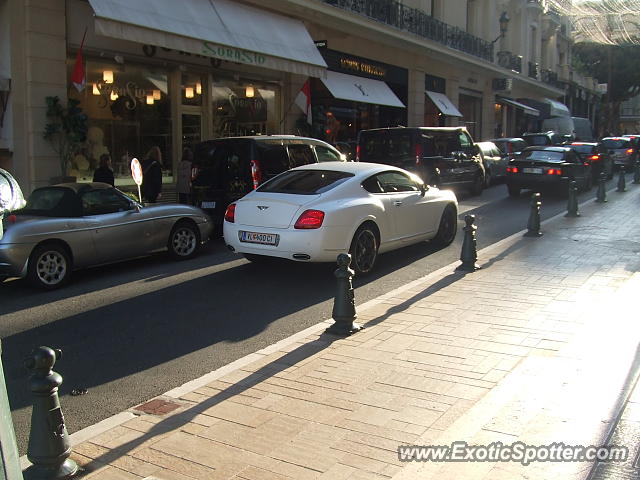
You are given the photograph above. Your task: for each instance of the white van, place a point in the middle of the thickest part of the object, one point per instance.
(584, 129)
(561, 125)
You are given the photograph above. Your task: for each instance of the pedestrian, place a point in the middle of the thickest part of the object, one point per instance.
(151, 175)
(104, 172)
(183, 185)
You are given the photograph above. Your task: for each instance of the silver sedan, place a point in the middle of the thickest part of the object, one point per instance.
(76, 225)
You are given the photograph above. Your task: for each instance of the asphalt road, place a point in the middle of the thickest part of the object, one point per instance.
(137, 329)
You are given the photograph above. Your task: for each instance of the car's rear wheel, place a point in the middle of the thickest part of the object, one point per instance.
(184, 241)
(448, 227)
(514, 190)
(49, 266)
(364, 250)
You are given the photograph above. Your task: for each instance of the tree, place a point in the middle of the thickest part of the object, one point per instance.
(66, 129)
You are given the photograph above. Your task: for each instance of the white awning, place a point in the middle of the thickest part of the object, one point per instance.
(360, 89)
(221, 29)
(527, 109)
(444, 104)
(557, 109)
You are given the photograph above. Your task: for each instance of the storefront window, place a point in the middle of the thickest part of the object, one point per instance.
(242, 108)
(191, 89)
(128, 112)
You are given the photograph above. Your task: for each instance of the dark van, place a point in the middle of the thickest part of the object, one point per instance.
(226, 169)
(441, 156)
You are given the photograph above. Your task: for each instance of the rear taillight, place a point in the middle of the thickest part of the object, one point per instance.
(357, 153)
(256, 173)
(594, 158)
(310, 219)
(512, 169)
(629, 151)
(554, 171)
(230, 213)
(418, 153)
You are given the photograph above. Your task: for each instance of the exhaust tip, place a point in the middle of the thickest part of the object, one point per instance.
(301, 256)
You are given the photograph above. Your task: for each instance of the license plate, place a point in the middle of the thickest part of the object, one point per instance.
(256, 237)
(208, 205)
(531, 170)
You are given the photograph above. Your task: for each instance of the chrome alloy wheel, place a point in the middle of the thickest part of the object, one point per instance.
(51, 267)
(184, 241)
(364, 251)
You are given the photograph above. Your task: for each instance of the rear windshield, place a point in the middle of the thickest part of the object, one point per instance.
(616, 143)
(544, 155)
(305, 182)
(53, 202)
(537, 140)
(385, 144)
(582, 148)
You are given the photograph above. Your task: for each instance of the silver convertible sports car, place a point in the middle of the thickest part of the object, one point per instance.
(75, 225)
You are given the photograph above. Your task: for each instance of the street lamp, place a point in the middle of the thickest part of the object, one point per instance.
(504, 24)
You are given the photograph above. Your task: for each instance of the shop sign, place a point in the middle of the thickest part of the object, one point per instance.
(130, 92)
(362, 67)
(233, 54)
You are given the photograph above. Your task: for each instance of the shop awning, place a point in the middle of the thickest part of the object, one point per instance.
(444, 104)
(557, 109)
(221, 29)
(360, 89)
(526, 108)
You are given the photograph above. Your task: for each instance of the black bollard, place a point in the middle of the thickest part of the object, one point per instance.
(622, 185)
(49, 446)
(469, 253)
(344, 305)
(601, 195)
(572, 202)
(636, 172)
(533, 225)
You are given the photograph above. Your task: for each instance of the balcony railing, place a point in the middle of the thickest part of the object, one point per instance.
(510, 61)
(408, 19)
(533, 70)
(551, 78)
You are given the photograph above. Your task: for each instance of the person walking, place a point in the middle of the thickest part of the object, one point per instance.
(151, 175)
(183, 185)
(104, 173)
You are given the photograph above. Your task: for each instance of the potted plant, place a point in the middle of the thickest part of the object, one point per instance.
(66, 131)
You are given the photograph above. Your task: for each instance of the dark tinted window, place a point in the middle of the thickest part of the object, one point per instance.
(583, 148)
(301, 155)
(103, 201)
(397, 182)
(53, 202)
(534, 140)
(372, 185)
(224, 165)
(273, 159)
(326, 155)
(305, 182)
(615, 143)
(385, 145)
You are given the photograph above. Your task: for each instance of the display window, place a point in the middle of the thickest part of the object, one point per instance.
(129, 113)
(244, 108)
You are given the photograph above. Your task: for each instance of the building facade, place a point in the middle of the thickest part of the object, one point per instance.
(181, 72)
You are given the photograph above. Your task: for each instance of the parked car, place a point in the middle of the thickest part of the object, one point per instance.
(547, 168)
(76, 225)
(229, 168)
(622, 150)
(544, 138)
(11, 197)
(441, 156)
(597, 155)
(509, 147)
(495, 164)
(315, 212)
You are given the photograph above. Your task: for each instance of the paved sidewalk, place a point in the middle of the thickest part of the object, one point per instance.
(539, 346)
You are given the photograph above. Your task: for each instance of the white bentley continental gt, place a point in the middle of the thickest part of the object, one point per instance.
(315, 212)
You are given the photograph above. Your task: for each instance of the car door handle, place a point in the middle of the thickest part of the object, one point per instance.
(397, 203)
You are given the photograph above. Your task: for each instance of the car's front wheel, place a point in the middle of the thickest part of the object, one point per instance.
(364, 250)
(49, 266)
(448, 227)
(184, 241)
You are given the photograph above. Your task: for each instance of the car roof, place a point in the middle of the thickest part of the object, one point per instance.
(616, 138)
(80, 187)
(593, 144)
(428, 129)
(266, 137)
(510, 139)
(355, 168)
(488, 144)
(550, 148)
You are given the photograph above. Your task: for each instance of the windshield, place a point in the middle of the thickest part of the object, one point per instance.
(53, 202)
(616, 143)
(305, 182)
(582, 148)
(546, 155)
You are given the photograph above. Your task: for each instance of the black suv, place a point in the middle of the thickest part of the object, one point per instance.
(441, 156)
(226, 169)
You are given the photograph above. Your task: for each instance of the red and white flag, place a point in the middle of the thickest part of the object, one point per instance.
(303, 100)
(78, 76)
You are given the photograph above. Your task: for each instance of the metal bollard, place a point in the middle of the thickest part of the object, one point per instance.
(601, 194)
(533, 225)
(572, 202)
(636, 172)
(49, 446)
(344, 306)
(469, 253)
(622, 185)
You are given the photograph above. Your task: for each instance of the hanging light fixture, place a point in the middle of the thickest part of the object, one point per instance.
(249, 92)
(96, 91)
(188, 92)
(107, 76)
(198, 88)
(113, 96)
(150, 99)
(157, 95)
